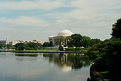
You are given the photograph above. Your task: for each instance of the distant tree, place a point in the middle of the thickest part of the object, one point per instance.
(60, 40)
(61, 48)
(46, 44)
(9, 46)
(75, 40)
(67, 40)
(1, 46)
(116, 30)
(20, 46)
(94, 41)
(32, 46)
(85, 41)
(39, 45)
(107, 57)
(50, 44)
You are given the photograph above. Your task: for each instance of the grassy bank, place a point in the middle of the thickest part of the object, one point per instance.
(32, 55)
(39, 51)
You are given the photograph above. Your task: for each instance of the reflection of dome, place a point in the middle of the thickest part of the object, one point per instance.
(66, 68)
(65, 33)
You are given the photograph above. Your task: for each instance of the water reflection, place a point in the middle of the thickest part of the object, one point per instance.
(68, 61)
(44, 67)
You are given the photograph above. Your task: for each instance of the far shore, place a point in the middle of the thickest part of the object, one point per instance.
(40, 51)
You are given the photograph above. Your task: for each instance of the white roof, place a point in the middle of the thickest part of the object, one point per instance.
(65, 33)
(52, 36)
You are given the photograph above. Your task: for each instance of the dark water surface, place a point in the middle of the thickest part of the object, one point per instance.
(43, 67)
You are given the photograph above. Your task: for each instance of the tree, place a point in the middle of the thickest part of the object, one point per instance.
(46, 44)
(1, 46)
(20, 46)
(50, 44)
(9, 46)
(116, 30)
(95, 41)
(32, 46)
(75, 40)
(60, 40)
(107, 54)
(61, 48)
(39, 45)
(107, 57)
(85, 41)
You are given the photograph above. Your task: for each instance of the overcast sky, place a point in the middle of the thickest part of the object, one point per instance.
(38, 19)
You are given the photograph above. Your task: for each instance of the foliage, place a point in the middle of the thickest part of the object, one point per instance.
(31, 46)
(28, 46)
(77, 49)
(50, 44)
(74, 61)
(9, 46)
(116, 30)
(1, 46)
(75, 40)
(85, 41)
(106, 56)
(20, 46)
(47, 44)
(39, 46)
(61, 48)
(94, 41)
(97, 51)
(31, 55)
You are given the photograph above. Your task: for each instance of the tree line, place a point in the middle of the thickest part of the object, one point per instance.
(75, 40)
(22, 46)
(106, 55)
(8, 46)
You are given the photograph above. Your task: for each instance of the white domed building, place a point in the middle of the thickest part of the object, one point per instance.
(65, 33)
(58, 39)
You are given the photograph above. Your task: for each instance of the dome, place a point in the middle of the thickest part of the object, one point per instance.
(65, 33)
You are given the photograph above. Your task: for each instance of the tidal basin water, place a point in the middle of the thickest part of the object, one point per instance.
(43, 67)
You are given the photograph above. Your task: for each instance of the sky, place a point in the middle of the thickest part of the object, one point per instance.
(38, 19)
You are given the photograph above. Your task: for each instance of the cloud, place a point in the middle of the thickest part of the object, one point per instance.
(85, 16)
(24, 21)
(30, 5)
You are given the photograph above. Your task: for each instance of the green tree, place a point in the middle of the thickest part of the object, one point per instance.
(85, 41)
(75, 40)
(46, 44)
(94, 41)
(116, 30)
(61, 48)
(20, 46)
(106, 56)
(1, 46)
(50, 44)
(32, 46)
(39, 45)
(9, 46)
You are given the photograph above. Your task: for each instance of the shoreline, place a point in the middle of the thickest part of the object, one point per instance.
(40, 51)
(95, 75)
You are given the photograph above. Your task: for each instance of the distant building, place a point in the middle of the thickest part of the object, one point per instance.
(5, 42)
(58, 39)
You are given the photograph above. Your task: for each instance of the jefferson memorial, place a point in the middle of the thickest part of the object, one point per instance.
(58, 39)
